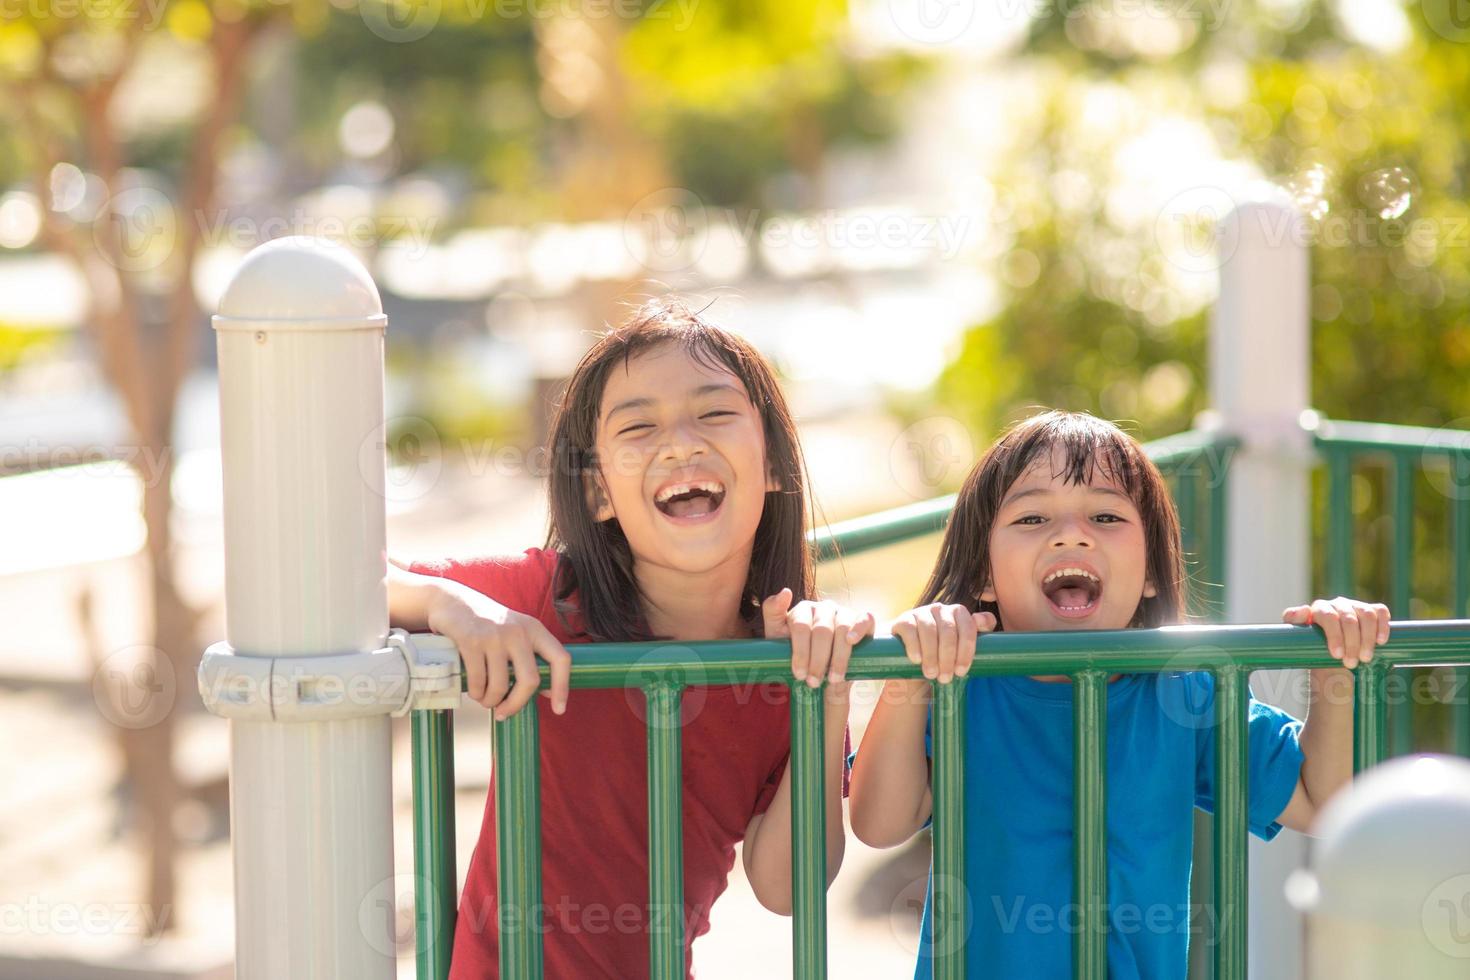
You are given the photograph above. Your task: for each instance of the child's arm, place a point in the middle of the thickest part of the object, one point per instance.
(1352, 629)
(495, 644)
(890, 797)
(822, 635)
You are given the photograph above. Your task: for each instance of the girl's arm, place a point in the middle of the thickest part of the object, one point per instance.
(498, 646)
(1352, 629)
(890, 778)
(822, 635)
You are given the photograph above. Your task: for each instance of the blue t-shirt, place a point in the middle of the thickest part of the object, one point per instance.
(1018, 820)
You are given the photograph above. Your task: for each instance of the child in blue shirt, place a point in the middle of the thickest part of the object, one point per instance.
(1066, 524)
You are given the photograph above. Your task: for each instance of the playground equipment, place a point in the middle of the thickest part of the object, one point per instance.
(310, 671)
(1389, 893)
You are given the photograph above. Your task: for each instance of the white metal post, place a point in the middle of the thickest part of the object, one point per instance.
(1260, 386)
(301, 341)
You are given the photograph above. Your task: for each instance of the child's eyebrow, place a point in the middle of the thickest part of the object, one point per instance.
(645, 402)
(1044, 491)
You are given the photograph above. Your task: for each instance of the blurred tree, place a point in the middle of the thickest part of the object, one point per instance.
(1102, 314)
(63, 72)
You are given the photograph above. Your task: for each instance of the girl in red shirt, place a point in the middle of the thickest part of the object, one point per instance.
(678, 512)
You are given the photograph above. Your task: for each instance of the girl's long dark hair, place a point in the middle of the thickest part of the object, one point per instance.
(597, 565)
(1087, 445)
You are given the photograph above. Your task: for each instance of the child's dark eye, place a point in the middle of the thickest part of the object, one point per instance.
(710, 415)
(1108, 519)
(1031, 519)
(634, 428)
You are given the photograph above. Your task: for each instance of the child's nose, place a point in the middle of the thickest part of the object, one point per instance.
(682, 443)
(1071, 532)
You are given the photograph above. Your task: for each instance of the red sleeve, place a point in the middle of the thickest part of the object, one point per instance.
(519, 582)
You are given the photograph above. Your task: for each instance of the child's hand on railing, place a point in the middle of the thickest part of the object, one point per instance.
(499, 645)
(1353, 628)
(822, 635)
(941, 638)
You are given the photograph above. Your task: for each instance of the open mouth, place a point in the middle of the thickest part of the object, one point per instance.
(1072, 590)
(699, 498)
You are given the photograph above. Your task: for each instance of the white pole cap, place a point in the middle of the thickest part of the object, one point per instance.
(300, 283)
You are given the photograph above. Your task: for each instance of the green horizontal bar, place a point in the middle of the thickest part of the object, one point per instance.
(881, 529)
(808, 834)
(665, 834)
(436, 883)
(1426, 642)
(1231, 867)
(518, 843)
(1090, 827)
(1380, 437)
(951, 912)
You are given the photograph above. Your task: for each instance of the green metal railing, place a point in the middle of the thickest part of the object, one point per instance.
(1196, 465)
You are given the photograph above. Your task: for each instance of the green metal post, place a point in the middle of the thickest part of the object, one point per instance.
(1231, 789)
(808, 833)
(665, 834)
(1401, 591)
(1459, 491)
(518, 843)
(1215, 558)
(1339, 522)
(1369, 715)
(436, 884)
(950, 899)
(1090, 832)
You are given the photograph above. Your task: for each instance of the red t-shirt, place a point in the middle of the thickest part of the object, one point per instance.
(594, 801)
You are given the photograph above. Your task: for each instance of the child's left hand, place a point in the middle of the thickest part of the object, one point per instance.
(1352, 628)
(822, 635)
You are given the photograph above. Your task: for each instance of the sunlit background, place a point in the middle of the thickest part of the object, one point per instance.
(931, 214)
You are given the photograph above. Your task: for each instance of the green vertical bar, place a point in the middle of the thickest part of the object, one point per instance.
(1401, 592)
(1215, 559)
(1186, 502)
(1339, 523)
(1459, 490)
(808, 834)
(665, 835)
(950, 899)
(1369, 715)
(436, 880)
(1090, 836)
(1231, 694)
(518, 843)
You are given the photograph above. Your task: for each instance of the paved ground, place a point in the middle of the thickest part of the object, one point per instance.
(68, 875)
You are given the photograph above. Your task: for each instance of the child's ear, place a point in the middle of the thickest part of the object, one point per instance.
(597, 499)
(987, 594)
(1148, 589)
(773, 483)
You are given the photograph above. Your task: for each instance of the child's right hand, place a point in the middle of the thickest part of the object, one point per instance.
(494, 643)
(941, 638)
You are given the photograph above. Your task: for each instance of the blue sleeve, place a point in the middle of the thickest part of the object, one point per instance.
(1275, 757)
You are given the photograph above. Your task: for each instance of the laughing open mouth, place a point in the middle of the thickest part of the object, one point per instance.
(696, 499)
(1072, 590)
